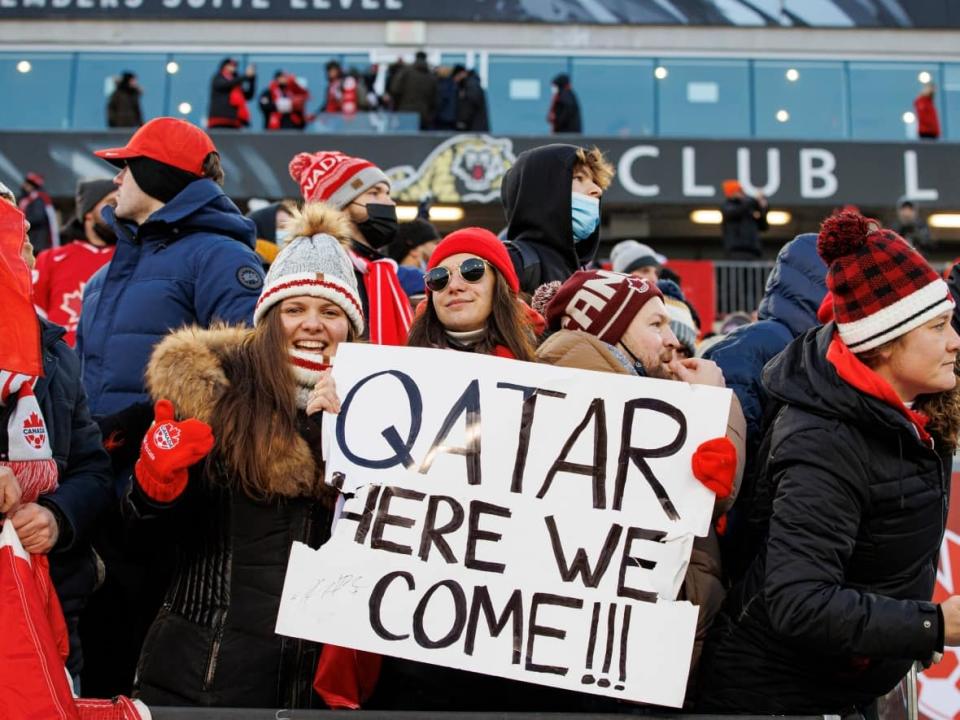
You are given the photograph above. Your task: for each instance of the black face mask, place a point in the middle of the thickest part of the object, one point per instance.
(105, 233)
(380, 227)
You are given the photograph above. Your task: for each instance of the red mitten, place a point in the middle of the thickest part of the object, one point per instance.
(169, 448)
(715, 465)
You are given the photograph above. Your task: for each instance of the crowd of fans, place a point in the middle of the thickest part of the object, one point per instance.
(184, 447)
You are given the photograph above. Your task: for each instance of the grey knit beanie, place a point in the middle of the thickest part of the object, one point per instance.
(316, 266)
(631, 255)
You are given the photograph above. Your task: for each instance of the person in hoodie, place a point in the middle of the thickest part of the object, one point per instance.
(836, 607)
(184, 255)
(551, 199)
(414, 90)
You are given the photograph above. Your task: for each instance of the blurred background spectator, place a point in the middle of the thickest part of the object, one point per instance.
(123, 108)
(229, 93)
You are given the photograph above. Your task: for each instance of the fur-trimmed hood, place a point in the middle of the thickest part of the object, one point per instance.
(319, 218)
(187, 368)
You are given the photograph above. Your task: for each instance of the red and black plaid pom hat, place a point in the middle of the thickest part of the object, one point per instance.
(881, 287)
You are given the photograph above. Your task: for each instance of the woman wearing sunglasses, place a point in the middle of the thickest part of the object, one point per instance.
(472, 302)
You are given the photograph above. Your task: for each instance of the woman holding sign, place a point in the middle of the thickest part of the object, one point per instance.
(230, 471)
(836, 606)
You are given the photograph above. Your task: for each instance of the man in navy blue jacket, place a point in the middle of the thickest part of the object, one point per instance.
(185, 254)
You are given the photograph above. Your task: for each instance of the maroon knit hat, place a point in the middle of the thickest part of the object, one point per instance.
(333, 177)
(481, 243)
(599, 302)
(881, 287)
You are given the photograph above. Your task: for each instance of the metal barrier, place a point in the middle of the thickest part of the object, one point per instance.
(740, 285)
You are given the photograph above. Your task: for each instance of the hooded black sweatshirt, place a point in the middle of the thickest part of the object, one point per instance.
(536, 196)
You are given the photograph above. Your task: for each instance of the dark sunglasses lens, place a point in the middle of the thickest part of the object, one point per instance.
(472, 270)
(437, 279)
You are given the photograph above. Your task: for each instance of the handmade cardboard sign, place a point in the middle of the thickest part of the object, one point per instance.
(510, 518)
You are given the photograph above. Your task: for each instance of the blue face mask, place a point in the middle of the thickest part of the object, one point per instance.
(282, 237)
(586, 215)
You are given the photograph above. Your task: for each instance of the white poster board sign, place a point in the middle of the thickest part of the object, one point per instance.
(510, 518)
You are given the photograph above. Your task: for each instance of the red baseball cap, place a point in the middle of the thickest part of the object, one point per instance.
(168, 140)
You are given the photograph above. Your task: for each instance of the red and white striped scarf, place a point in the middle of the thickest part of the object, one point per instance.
(389, 314)
(28, 441)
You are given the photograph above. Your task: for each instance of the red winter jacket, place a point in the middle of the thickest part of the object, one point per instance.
(928, 124)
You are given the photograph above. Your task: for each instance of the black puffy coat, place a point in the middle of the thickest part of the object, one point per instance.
(836, 607)
(741, 228)
(472, 113)
(86, 483)
(537, 197)
(213, 641)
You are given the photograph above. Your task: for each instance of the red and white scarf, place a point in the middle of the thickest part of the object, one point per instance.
(389, 315)
(28, 441)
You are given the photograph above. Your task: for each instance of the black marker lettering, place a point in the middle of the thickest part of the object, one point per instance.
(513, 610)
(432, 535)
(384, 518)
(545, 631)
(638, 455)
(530, 395)
(376, 599)
(459, 620)
(598, 470)
(581, 563)
(475, 535)
(627, 560)
(468, 403)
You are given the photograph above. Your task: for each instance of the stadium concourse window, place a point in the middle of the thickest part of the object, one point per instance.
(616, 95)
(519, 92)
(96, 75)
(800, 100)
(881, 98)
(703, 98)
(38, 90)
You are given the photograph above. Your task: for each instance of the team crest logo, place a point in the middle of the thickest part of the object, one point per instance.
(166, 437)
(464, 168)
(34, 431)
(939, 697)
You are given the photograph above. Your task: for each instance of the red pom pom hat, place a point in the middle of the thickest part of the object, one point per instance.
(881, 287)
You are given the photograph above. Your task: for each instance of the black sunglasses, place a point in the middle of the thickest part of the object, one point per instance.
(471, 270)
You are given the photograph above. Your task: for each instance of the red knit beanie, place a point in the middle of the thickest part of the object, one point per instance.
(483, 244)
(881, 287)
(333, 177)
(599, 302)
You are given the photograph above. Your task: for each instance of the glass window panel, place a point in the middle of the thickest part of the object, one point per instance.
(96, 75)
(519, 92)
(948, 95)
(616, 95)
(799, 100)
(704, 98)
(881, 99)
(37, 89)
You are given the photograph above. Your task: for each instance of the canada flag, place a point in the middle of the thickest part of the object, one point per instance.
(34, 431)
(939, 691)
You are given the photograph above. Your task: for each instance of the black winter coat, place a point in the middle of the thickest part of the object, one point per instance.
(221, 113)
(86, 483)
(414, 90)
(213, 641)
(566, 112)
(472, 105)
(536, 198)
(836, 606)
(741, 229)
(123, 108)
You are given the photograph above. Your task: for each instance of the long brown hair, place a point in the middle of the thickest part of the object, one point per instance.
(942, 408)
(507, 325)
(255, 422)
